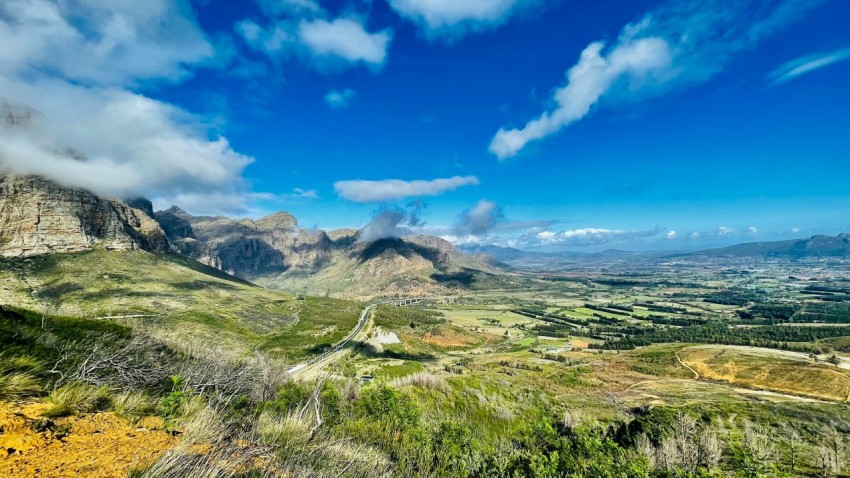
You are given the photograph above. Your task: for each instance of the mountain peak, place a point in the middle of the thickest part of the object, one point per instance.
(278, 220)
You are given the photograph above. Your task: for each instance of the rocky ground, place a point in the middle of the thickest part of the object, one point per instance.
(97, 445)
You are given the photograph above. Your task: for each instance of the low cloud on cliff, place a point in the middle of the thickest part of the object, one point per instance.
(71, 76)
(394, 222)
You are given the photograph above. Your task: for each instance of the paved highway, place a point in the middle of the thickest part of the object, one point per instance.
(317, 362)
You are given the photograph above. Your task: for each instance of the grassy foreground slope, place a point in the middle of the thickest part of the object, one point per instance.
(174, 299)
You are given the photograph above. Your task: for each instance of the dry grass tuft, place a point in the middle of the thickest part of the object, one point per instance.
(424, 380)
(18, 385)
(132, 405)
(75, 398)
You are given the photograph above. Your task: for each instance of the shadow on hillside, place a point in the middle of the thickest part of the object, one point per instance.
(462, 278)
(202, 285)
(402, 248)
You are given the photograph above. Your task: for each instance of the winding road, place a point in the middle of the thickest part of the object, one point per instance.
(317, 363)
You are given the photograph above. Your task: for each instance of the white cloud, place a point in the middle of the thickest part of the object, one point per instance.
(479, 220)
(680, 44)
(795, 229)
(724, 231)
(302, 28)
(384, 225)
(671, 235)
(339, 99)
(67, 74)
(102, 42)
(217, 203)
(807, 64)
(452, 18)
(398, 222)
(587, 236)
(752, 231)
(643, 61)
(346, 39)
(133, 145)
(391, 189)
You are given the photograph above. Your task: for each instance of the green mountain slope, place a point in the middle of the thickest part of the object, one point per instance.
(177, 300)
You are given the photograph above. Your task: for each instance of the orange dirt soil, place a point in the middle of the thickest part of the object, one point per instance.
(580, 344)
(98, 445)
(449, 338)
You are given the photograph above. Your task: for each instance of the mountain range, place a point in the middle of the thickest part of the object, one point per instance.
(39, 216)
(819, 246)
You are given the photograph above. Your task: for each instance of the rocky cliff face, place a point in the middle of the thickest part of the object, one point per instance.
(244, 247)
(39, 216)
(275, 251)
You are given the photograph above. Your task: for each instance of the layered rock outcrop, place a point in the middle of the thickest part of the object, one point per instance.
(39, 216)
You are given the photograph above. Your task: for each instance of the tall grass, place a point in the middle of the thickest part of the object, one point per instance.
(18, 385)
(272, 445)
(18, 377)
(76, 397)
(132, 405)
(424, 380)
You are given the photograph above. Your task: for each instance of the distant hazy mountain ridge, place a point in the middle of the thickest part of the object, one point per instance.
(816, 246)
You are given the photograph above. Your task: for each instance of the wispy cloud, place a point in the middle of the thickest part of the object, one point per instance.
(452, 19)
(677, 45)
(101, 42)
(301, 28)
(481, 219)
(302, 194)
(588, 236)
(807, 64)
(392, 189)
(339, 99)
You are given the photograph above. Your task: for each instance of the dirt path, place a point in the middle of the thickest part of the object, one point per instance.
(767, 394)
(683, 364)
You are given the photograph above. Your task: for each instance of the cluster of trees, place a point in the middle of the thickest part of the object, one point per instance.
(675, 321)
(780, 337)
(616, 310)
(653, 307)
(391, 317)
(552, 330)
(771, 311)
(736, 296)
(827, 312)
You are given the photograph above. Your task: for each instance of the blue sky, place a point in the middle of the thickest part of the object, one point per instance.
(532, 123)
